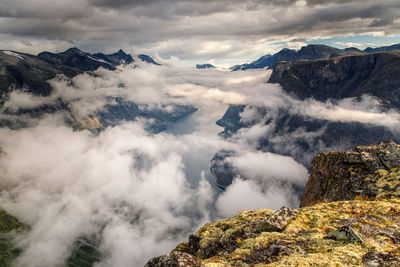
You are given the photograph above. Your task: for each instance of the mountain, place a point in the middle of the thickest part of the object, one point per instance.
(309, 52)
(301, 136)
(29, 73)
(383, 48)
(116, 59)
(77, 59)
(147, 59)
(205, 66)
(355, 231)
(348, 76)
(20, 70)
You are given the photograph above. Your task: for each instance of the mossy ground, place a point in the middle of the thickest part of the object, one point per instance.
(376, 222)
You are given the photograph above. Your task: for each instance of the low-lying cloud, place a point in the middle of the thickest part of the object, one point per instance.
(137, 193)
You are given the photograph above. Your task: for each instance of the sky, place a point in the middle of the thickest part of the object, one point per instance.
(223, 32)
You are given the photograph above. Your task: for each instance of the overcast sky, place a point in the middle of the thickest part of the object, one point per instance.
(215, 31)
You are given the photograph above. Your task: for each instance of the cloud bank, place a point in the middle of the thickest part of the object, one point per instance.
(226, 31)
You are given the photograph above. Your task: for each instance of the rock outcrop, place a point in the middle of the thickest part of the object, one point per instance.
(345, 233)
(370, 172)
(361, 229)
(375, 74)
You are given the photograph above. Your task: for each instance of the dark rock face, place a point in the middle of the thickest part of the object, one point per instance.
(116, 59)
(309, 52)
(367, 171)
(222, 171)
(231, 120)
(205, 66)
(31, 73)
(18, 70)
(76, 59)
(148, 59)
(336, 78)
(383, 48)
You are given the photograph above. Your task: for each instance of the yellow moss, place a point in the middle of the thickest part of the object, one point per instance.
(305, 234)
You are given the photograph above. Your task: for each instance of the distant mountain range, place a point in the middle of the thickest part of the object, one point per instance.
(309, 52)
(205, 66)
(21, 70)
(29, 73)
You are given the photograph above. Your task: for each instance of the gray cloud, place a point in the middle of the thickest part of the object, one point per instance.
(183, 28)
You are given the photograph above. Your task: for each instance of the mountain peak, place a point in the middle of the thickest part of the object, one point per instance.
(74, 50)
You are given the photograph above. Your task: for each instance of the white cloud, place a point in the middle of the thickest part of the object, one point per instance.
(247, 195)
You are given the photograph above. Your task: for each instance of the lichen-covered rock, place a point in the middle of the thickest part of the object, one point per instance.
(281, 218)
(380, 259)
(302, 242)
(371, 172)
(186, 260)
(345, 233)
(162, 261)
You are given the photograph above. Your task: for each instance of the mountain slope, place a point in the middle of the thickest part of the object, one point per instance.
(357, 232)
(19, 70)
(76, 58)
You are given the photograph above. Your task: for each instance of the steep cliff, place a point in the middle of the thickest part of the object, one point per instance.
(362, 229)
(376, 74)
(369, 171)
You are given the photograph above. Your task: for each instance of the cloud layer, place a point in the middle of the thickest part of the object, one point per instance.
(225, 30)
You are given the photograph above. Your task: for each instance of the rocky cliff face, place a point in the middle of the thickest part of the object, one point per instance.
(362, 229)
(370, 172)
(375, 74)
(329, 79)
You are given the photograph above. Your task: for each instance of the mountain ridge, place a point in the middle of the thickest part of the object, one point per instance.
(309, 52)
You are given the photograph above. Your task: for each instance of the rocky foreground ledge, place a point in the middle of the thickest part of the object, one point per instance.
(349, 216)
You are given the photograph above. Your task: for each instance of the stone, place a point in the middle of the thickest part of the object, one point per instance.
(186, 260)
(162, 261)
(193, 244)
(345, 233)
(368, 171)
(281, 218)
(380, 259)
